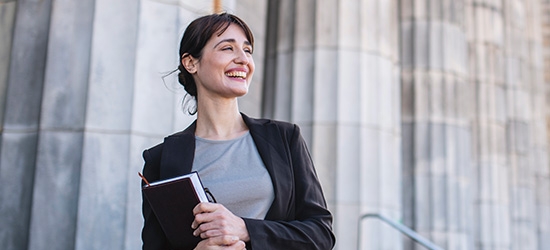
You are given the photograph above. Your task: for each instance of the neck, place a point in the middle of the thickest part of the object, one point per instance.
(219, 120)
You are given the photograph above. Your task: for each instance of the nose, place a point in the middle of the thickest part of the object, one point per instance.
(242, 58)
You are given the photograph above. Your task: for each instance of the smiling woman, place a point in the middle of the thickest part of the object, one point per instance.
(224, 68)
(194, 41)
(259, 170)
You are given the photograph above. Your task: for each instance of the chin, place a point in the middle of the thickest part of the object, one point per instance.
(241, 94)
(240, 91)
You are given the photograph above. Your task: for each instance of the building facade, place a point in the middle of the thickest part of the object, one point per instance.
(430, 112)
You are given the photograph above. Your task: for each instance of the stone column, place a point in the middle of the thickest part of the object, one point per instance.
(156, 102)
(280, 48)
(369, 101)
(491, 180)
(539, 156)
(542, 168)
(334, 70)
(318, 72)
(59, 154)
(7, 21)
(288, 92)
(524, 85)
(516, 63)
(21, 114)
(436, 131)
(107, 129)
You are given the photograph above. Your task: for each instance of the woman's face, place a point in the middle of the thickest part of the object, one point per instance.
(226, 66)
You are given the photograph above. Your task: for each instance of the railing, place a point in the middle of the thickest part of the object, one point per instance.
(401, 228)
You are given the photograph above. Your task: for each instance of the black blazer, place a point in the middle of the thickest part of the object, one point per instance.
(298, 217)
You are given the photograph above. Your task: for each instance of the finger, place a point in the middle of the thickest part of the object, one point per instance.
(201, 212)
(202, 219)
(205, 207)
(207, 212)
(239, 245)
(207, 233)
(213, 227)
(202, 229)
(225, 240)
(197, 211)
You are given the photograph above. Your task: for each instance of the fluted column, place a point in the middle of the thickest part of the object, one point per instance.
(516, 62)
(370, 76)
(542, 167)
(437, 136)
(334, 71)
(491, 192)
(540, 170)
(106, 147)
(21, 115)
(7, 21)
(59, 153)
(156, 103)
(525, 123)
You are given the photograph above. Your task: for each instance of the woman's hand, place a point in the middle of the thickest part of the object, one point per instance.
(212, 220)
(221, 242)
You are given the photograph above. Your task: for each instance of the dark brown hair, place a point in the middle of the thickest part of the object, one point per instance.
(195, 38)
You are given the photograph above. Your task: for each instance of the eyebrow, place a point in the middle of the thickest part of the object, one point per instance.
(230, 40)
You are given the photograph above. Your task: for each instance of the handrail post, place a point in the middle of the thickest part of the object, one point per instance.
(400, 227)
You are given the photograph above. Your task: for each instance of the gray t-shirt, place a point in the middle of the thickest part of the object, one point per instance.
(235, 174)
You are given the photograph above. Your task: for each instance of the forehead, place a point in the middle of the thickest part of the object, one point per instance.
(232, 31)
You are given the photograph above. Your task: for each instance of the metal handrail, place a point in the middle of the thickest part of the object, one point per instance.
(401, 228)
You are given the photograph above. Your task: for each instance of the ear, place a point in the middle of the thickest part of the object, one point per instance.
(189, 63)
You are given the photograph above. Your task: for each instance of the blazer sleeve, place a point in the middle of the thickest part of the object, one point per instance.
(309, 223)
(152, 236)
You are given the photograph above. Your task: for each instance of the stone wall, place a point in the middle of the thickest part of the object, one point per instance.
(430, 112)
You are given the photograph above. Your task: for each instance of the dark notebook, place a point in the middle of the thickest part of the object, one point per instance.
(172, 201)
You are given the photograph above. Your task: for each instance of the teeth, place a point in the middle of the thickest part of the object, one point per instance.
(239, 74)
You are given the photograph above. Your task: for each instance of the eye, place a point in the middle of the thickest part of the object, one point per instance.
(229, 48)
(248, 50)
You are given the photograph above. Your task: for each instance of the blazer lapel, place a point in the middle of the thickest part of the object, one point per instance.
(271, 148)
(178, 153)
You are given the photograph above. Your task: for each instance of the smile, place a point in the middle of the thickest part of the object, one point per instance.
(236, 74)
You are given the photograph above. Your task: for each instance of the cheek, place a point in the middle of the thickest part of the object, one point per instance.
(252, 66)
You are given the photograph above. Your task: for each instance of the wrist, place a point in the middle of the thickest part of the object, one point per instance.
(244, 232)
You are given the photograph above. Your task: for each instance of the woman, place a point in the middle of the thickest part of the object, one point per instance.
(259, 170)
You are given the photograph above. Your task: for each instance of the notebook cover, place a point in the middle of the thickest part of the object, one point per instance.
(173, 203)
